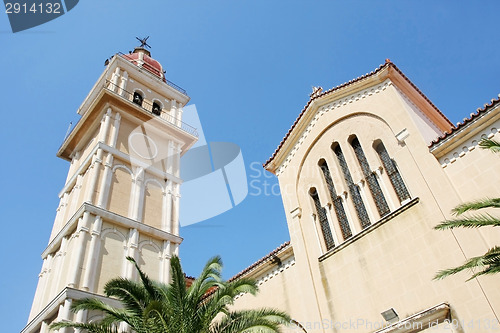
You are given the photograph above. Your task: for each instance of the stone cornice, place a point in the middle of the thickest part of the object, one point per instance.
(52, 307)
(120, 155)
(109, 217)
(471, 128)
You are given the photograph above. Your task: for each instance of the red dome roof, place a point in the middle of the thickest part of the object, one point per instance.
(148, 63)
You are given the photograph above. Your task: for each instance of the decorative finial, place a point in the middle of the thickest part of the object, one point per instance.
(388, 61)
(316, 91)
(143, 41)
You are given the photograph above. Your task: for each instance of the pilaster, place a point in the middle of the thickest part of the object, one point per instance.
(79, 250)
(94, 175)
(93, 256)
(106, 183)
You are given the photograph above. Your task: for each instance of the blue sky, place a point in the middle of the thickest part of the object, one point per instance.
(248, 66)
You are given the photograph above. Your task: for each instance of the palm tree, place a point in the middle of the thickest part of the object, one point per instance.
(203, 307)
(489, 263)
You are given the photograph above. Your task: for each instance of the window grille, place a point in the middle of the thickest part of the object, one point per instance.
(337, 202)
(353, 189)
(371, 179)
(393, 173)
(323, 220)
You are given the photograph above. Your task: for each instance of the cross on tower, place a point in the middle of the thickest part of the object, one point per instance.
(143, 42)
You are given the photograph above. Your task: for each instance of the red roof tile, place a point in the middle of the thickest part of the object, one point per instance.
(387, 64)
(264, 259)
(466, 121)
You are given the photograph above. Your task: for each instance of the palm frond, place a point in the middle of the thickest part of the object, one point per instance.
(476, 205)
(262, 320)
(476, 221)
(488, 263)
(492, 145)
(147, 283)
(90, 327)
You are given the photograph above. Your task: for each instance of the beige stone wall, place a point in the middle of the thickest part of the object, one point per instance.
(113, 253)
(284, 287)
(392, 263)
(150, 257)
(153, 200)
(120, 190)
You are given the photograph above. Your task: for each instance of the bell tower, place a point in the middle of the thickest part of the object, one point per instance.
(121, 196)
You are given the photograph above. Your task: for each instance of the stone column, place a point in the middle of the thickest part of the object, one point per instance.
(123, 83)
(177, 160)
(173, 111)
(133, 251)
(175, 249)
(114, 79)
(366, 200)
(332, 223)
(94, 252)
(79, 250)
(81, 317)
(59, 261)
(315, 224)
(61, 212)
(165, 262)
(350, 218)
(137, 197)
(64, 314)
(166, 223)
(105, 126)
(106, 183)
(179, 117)
(115, 130)
(76, 194)
(170, 157)
(379, 174)
(176, 205)
(45, 327)
(47, 273)
(41, 287)
(94, 175)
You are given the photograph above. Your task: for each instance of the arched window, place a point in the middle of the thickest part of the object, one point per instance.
(393, 173)
(138, 98)
(371, 179)
(323, 220)
(337, 201)
(156, 108)
(353, 189)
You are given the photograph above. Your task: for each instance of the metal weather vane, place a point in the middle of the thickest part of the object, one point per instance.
(143, 42)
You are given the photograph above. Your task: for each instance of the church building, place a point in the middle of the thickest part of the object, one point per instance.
(366, 171)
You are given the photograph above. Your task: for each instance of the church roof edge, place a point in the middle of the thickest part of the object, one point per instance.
(388, 64)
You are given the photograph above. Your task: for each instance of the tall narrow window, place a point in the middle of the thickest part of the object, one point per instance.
(137, 98)
(353, 189)
(393, 173)
(371, 179)
(337, 201)
(323, 220)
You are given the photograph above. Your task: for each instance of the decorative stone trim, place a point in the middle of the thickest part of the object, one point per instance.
(468, 146)
(328, 108)
(274, 272)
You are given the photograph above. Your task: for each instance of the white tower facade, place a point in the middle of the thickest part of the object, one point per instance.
(121, 196)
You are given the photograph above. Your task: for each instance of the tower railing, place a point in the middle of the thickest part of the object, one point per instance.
(150, 107)
(155, 71)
